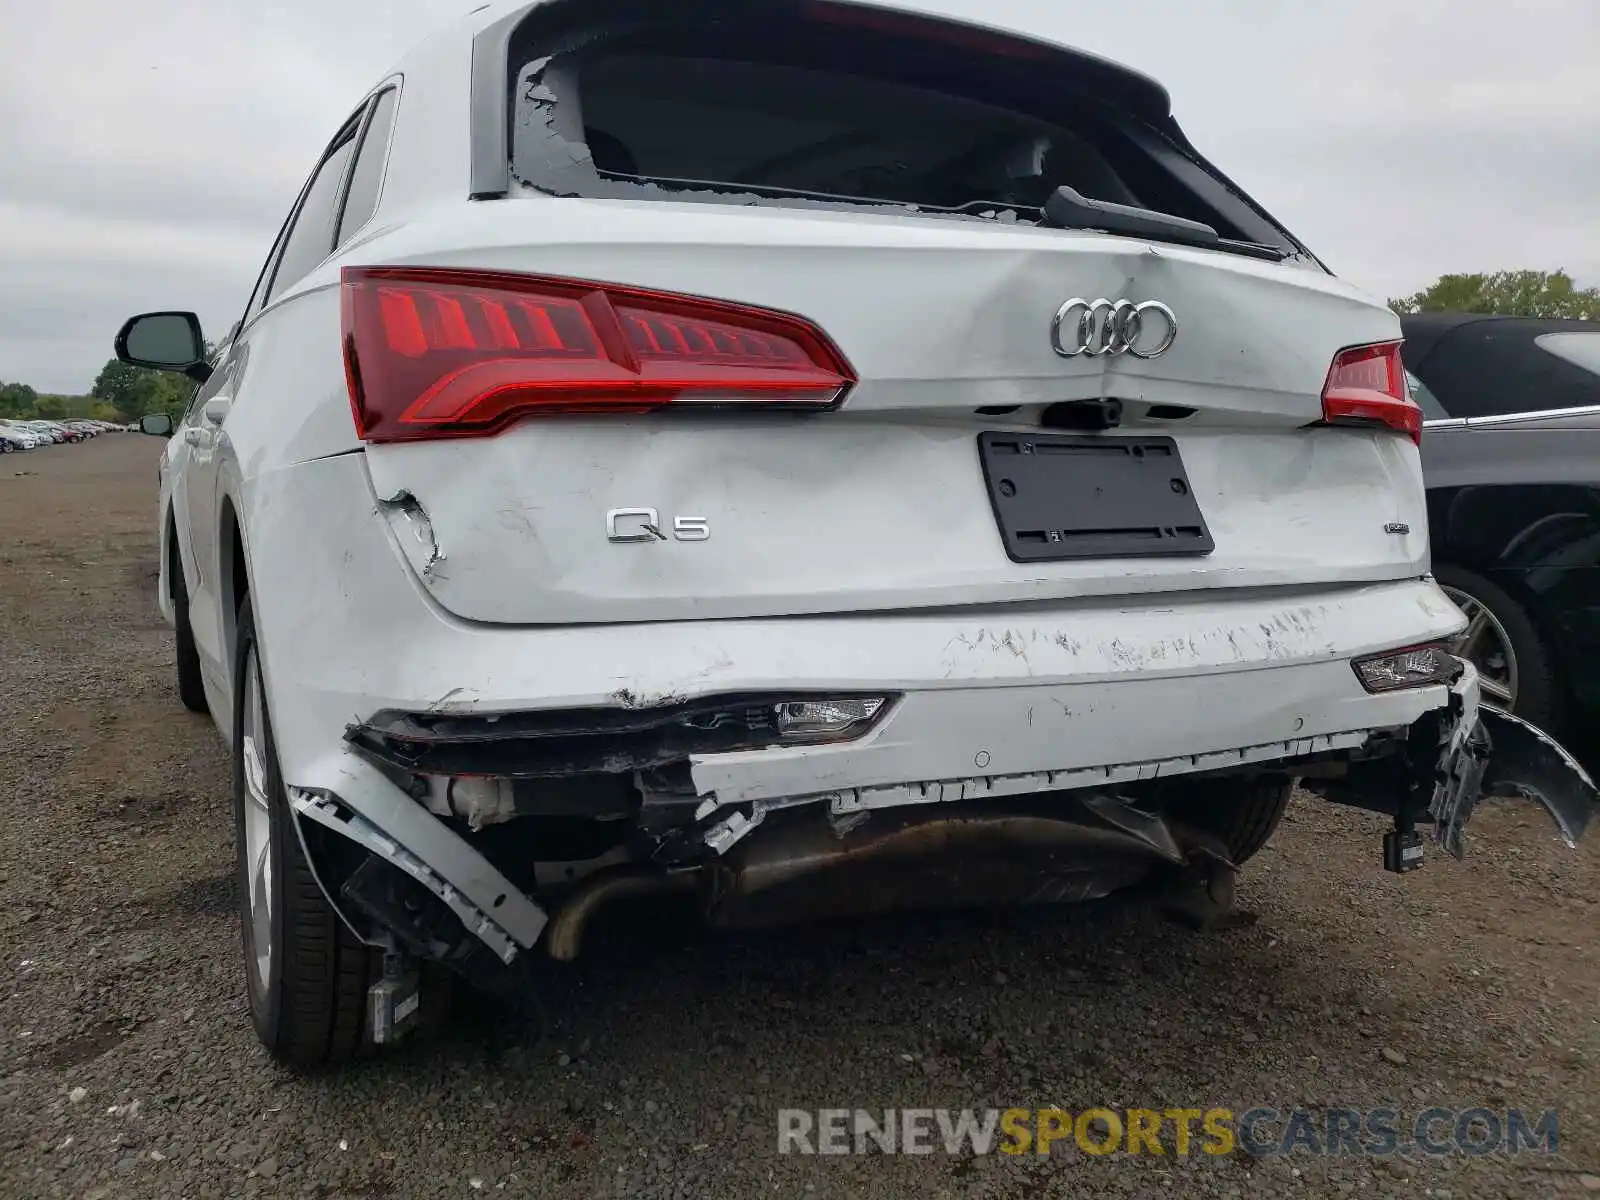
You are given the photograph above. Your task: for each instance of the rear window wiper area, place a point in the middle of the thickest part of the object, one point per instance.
(1066, 209)
(1070, 209)
(740, 192)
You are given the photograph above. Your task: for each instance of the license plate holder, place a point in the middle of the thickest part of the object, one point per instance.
(1060, 497)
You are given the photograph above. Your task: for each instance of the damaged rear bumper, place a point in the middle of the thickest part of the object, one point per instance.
(1459, 755)
(1522, 760)
(452, 891)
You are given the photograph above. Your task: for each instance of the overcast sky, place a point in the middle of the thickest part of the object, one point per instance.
(149, 149)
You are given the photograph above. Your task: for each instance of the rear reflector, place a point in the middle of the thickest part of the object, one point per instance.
(437, 353)
(1367, 386)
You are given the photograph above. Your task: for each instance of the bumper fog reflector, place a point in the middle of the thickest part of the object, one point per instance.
(1415, 666)
(805, 720)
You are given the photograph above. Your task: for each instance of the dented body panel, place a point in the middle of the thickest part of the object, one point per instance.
(1097, 679)
(888, 492)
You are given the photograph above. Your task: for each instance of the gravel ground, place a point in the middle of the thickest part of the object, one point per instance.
(127, 1065)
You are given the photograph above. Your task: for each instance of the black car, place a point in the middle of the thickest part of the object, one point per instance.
(1511, 452)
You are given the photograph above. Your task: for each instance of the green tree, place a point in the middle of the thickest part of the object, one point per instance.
(127, 389)
(174, 394)
(58, 407)
(17, 400)
(120, 393)
(134, 391)
(1507, 294)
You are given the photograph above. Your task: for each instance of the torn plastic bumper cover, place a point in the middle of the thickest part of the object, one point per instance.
(1051, 837)
(1459, 755)
(1503, 755)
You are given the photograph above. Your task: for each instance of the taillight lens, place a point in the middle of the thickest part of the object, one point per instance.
(1367, 386)
(436, 353)
(1411, 667)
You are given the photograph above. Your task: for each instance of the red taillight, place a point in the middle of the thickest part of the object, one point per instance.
(435, 353)
(1367, 386)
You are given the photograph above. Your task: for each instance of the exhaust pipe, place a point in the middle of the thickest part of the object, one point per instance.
(798, 868)
(563, 937)
(1010, 854)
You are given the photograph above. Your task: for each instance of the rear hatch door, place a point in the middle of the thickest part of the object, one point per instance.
(970, 460)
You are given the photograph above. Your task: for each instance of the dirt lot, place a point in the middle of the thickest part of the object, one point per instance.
(127, 1067)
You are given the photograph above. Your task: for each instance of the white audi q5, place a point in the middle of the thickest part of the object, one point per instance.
(802, 455)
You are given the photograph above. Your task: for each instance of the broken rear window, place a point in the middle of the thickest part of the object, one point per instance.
(759, 126)
(813, 103)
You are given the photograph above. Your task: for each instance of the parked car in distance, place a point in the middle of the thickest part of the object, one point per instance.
(42, 437)
(55, 431)
(816, 533)
(24, 435)
(44, 432)
(1511, 456)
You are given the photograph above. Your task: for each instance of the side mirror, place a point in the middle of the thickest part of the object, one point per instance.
(164, 341)
(159, 424)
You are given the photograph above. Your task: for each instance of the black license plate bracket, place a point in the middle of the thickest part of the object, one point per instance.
(1059, 497)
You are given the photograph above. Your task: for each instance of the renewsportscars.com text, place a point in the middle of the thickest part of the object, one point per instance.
(1262, 1132)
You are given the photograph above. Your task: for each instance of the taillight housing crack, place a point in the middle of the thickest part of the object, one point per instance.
(435, 352)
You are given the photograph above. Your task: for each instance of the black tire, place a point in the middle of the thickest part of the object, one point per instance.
(191, 684)
(1540, 691)
(1242, 813)
(309, 1010)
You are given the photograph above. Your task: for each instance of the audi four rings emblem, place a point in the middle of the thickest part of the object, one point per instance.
(1102, 327)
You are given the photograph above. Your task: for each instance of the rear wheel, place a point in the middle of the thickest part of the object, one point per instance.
(1242, 814)
(307, 974)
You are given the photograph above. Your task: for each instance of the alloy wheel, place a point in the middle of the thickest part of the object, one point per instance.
(1487, 646)
(257, 847)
